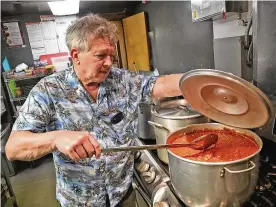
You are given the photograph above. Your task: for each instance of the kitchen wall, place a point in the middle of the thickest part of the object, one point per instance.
(31, 13)
(230, 27)
(19, 55)
(229, 53)
(177, 44)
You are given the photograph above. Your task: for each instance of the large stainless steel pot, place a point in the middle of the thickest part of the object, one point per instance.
(173, 115)
(211, 183)
(144, 130)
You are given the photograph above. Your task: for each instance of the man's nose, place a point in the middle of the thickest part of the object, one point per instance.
(108, 61)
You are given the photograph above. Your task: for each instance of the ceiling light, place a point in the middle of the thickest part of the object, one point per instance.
(65, 7)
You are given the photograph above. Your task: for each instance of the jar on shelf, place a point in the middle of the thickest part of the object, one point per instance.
(37, 71)
(49, 69)
(42, 70)
(29, 72)
(18, 91)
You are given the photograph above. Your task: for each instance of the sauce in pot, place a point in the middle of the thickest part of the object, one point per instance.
(231, 146)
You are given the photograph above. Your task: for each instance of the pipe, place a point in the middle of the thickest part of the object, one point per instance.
(246, 39)
(249, 55)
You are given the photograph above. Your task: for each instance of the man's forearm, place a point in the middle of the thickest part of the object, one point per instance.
(27, 146)
(167, 86)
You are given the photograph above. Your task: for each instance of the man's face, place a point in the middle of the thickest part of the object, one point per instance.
(92, 67)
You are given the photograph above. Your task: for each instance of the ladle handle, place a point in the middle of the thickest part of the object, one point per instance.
(143, 147)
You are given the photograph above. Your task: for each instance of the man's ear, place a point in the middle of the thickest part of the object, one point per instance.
(74, 53)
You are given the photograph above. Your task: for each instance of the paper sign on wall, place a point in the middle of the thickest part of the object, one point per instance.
(62, 23)
(36, 39)
(49, 37)
(12, 34)
(35, 34)
(47, 18)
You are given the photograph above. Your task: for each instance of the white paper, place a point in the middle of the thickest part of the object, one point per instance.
(62, 23)
(51, 46)
(37, 52)
(35, 35)
(60, 63)
(12, 33)
(49, 37)
(47, 17)
(48, 30)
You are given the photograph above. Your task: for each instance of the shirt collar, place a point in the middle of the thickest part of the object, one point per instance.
(74, 81)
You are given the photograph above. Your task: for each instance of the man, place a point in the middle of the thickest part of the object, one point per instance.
(70, 115)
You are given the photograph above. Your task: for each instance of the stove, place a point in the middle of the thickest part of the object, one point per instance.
(153, 186)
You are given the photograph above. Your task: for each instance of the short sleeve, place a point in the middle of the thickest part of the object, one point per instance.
(34, 115)
(140, 85)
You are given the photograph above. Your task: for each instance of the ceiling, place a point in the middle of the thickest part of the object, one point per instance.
(111, 9)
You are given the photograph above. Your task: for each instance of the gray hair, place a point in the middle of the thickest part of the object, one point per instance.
(80, 30)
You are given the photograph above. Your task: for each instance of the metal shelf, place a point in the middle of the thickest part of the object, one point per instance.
(5, 129)
(19, 99)
(17, 78)
(3, 111)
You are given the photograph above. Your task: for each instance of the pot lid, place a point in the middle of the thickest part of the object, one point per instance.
(225, 98)
(175, 109)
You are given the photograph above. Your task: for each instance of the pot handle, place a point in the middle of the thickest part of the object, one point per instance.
(160, 126)
(241, 171)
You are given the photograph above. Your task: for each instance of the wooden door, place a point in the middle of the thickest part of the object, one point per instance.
(121, 49)
(136, 42)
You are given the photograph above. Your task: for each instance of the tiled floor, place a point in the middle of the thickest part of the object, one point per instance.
(35, 187)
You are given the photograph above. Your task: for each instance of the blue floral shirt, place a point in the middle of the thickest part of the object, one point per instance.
(60, 102)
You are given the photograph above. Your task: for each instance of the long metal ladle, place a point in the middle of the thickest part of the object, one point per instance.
(200, 143)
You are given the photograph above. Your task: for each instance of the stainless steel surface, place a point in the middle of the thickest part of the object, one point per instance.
(144, 130)
(203, 10)
(229, 99)
(230, 56)
(146, 158)
(269, 131)
(251, 167)
(172, 123)
(264, 46)
(264, 63)
(145, 200)
(228, 189)
(163, 196)
(175, 109)
(152, 182)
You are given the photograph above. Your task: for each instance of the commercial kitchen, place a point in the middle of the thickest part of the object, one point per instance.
(226, 51)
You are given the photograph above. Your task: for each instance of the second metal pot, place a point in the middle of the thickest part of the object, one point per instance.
(171, 116)
(144, 130)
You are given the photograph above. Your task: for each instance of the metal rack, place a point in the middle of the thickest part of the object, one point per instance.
(7, 193)
(3, 108)
(17, 78)
(18, 101)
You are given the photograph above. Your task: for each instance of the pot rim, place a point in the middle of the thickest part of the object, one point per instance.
(153, 111)
(217, 163)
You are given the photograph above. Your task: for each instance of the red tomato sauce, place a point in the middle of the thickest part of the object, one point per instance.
(231, 146)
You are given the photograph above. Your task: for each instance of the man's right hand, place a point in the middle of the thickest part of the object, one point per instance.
(77, 145)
